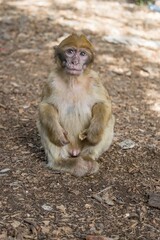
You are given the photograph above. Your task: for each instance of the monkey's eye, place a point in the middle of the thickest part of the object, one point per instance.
(83, 53)
(70, 51)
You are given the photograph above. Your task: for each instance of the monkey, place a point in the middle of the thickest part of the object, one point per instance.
(75, 119)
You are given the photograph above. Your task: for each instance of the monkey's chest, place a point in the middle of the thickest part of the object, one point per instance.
(79, 111)
(75, 113)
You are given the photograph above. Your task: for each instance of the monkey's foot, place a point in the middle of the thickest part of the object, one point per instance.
(94, 166)
(77, 166)
(85, 167)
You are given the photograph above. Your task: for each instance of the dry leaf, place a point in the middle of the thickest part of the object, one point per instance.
(2, 127)
(15, 224)
(3, 236)
(108, 199)
(92, 237)
(45, 229)
(21, 110)
(62, 208)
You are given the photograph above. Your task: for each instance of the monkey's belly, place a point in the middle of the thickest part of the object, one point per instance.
(74, 120)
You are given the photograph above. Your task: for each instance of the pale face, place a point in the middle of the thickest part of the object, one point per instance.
(75, 60)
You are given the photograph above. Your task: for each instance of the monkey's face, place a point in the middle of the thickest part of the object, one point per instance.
(74, 60)
(74, 54)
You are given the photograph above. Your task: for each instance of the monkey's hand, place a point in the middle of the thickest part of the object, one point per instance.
(58, 136)
(93, 134)
(48, 116)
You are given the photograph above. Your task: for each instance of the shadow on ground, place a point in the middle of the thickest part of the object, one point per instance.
(37, 203)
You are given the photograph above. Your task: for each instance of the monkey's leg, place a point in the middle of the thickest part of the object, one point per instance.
(77, 166)
(94, 151)
(49, 121)
(100, 116)
(59, 159)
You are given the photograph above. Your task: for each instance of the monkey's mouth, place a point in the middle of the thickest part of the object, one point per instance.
(73, 71)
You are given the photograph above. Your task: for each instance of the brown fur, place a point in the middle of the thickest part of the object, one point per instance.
(75, 117)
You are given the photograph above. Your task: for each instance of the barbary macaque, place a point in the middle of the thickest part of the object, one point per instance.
(75, 116)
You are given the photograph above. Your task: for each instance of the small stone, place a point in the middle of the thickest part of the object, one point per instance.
(21, 37)
(6, 36)
(5, 170)
(154, 200)
(87, 206)
(47, 207)
(127, 144)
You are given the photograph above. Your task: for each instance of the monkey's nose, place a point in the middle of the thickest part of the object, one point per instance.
(75, 61)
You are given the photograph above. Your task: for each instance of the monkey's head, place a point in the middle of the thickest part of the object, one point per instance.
(74, 54)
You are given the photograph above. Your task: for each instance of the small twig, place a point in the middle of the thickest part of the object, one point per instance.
(99, 199)
(155, 229)
(105, 190)
(30, 222)
(3, 106)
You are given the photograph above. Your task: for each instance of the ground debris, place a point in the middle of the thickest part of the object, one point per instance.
(127, 144)
(135, 41)
(5, 170)
(37, 203)
(47, 207)
(3, 127)
(105, 196)
(154, 200)
(92, 237)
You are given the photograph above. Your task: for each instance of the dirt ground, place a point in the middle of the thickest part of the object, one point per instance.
(38, 203)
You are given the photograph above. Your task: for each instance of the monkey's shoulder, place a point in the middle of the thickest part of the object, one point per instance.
(97, 85)
(50, 83)
(52, 77)
(95, 79)
(93, 74)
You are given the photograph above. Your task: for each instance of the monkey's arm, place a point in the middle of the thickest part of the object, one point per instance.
(48, 116)
(101, 113)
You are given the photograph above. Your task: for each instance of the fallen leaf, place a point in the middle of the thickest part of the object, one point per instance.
(45, 229)
(15, 223)
(3, 236)
(154, 200)
(2, 127)
(92, 237)
(62, 208)
(46, 222)
(21, 110)
(108, 199)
